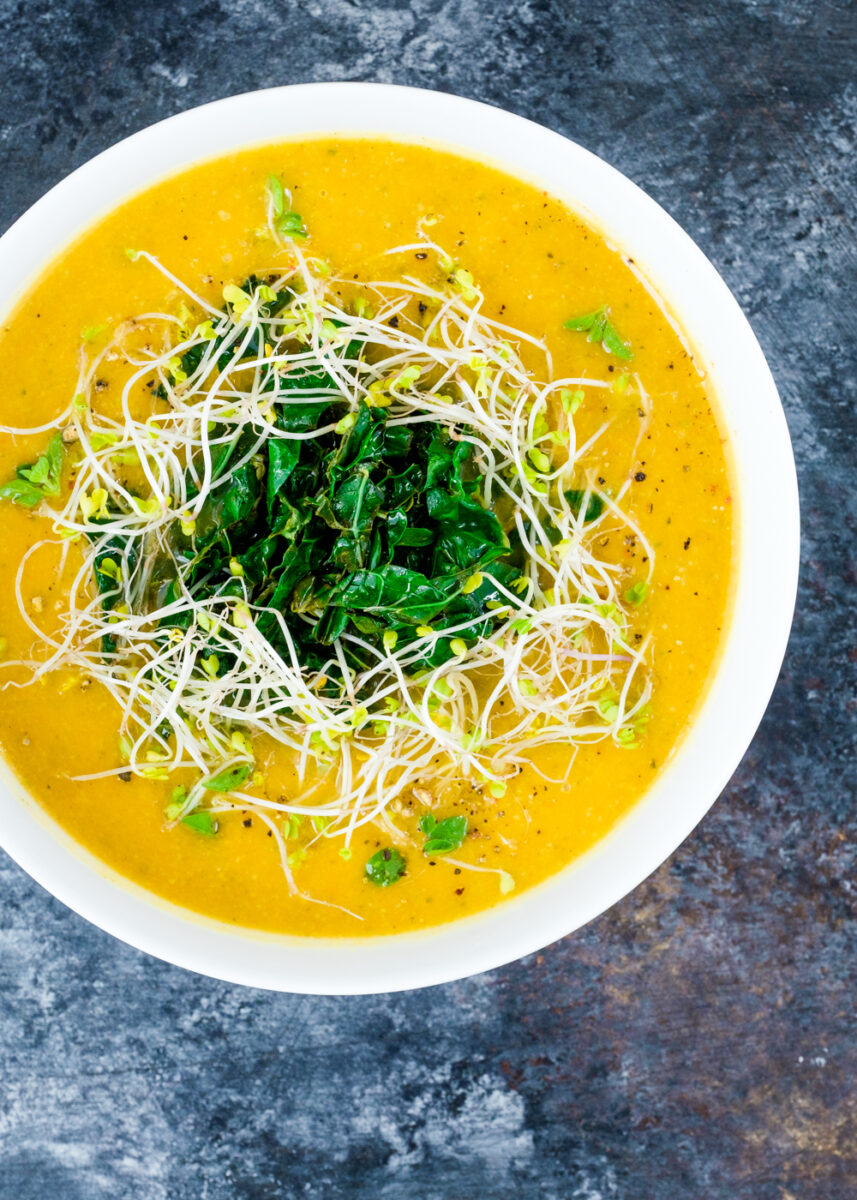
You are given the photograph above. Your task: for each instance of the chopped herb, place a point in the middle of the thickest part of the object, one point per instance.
(291, 225)
(636, 594)
(230, 779)
(202, 822)
(598, 328)
(443, 836)
(386, 867)
(287, 222)
(37, 480)
(277, 196)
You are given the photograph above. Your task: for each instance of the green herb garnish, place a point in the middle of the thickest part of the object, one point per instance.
(637, 593)
(201, 822)
(443, 836)
(230, 779)
(386, 867)
(37, 480)
(286, 221)
(600, 329)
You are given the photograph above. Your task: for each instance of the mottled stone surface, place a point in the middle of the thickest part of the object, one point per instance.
(699, 1040)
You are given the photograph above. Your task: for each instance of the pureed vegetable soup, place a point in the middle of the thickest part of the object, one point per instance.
(373, 551)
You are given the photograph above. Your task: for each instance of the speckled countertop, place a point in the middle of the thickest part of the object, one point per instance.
(698, 1041)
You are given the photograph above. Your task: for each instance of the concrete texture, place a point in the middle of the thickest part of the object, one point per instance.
(699, 1040)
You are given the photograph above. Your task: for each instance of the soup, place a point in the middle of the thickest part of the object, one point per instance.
(367, 537)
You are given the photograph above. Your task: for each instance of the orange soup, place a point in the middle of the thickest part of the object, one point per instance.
(373, 549)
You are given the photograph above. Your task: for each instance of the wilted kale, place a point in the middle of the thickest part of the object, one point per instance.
(372, 529)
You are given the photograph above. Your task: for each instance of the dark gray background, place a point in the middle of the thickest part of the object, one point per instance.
(697, 1041)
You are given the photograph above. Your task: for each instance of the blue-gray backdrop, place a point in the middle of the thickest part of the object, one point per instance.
(696, 1042)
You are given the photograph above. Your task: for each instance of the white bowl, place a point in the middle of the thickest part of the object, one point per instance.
(767, 555)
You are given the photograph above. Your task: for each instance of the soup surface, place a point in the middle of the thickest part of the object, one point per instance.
(538, 265)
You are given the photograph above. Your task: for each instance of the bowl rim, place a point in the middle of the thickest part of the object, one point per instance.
(765, 566)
